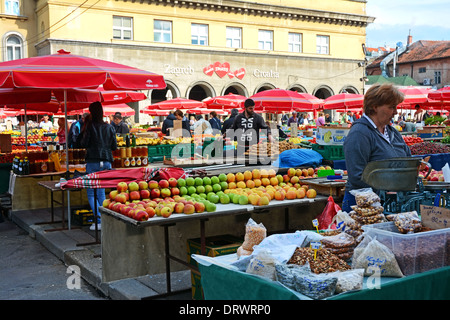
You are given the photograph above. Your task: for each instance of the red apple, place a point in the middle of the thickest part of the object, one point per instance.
(155, 193)
(106, 203)
(116, 207)
(113, 194)
(178, 208)
(141, 215)
(110, 206)
(122, 186)
(152, 184)
(199, 207)
(166, 212)
(143, 185)
(165, 192)
(189, 209)
(172, 182)
(163, 184)
(145, 194)
(150, 211)
(135, 195)
(175, 191)
(120, 198)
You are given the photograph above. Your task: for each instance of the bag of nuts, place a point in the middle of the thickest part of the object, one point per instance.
(254, 234)
(365, 197)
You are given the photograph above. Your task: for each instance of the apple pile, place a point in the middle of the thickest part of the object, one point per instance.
(143, 200)
(435, 175)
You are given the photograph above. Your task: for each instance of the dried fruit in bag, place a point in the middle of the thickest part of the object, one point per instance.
(254, 234)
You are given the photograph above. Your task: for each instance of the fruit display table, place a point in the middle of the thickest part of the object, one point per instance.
(133, 248)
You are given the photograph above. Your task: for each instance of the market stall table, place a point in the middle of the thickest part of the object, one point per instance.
(327, 187)
(126, 243)
(237, 285)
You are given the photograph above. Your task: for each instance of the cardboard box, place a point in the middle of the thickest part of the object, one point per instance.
(331, 135)
(214, 246)
(431, 132)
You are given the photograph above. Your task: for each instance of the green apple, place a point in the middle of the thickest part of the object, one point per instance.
(243, 199)
(214, 180)
(198, 181)
(183, 191)
(208, 188)
(206, 180)
(217, 187)
(224, 199)
(222, 177)
(190, 181)
(224, 185)
(210, 207)
(200, 189)
(191, 190)
(181, 182)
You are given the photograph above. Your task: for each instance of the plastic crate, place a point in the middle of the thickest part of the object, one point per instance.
(416, 252)
(329, 152)
(211, 151)
(158, 152)
(82, 217)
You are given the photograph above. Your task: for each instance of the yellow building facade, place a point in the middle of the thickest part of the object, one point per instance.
(206, 47)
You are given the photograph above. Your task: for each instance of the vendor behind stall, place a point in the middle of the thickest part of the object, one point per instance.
(372, 137)
(407, 126)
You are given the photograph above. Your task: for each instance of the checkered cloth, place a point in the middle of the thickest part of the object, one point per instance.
(110, 178)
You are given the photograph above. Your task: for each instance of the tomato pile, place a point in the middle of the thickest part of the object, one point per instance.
(409, 140)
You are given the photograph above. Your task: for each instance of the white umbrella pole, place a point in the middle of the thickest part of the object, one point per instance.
(26, 129)
(67, 158)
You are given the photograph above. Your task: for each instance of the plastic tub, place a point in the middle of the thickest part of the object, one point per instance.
(417, 252)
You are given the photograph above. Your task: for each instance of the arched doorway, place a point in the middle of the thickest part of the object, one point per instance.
(298, 88)
(235, 88)
(200, 91)
(323, 92)
(170, 92)
(264, 87)
(349, 89)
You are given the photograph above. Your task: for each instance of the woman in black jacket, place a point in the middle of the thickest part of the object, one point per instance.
(99, 140)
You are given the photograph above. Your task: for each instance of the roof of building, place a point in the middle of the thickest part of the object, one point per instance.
(399, 81)
(425, 50)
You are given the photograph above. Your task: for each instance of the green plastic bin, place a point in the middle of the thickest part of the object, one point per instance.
(329, 152)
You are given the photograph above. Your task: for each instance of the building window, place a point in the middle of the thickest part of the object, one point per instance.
(13, 48)
(437, 77)
(123, 28)
(234, 37)
(323, 45)
(199, 34)
(422, 70)
(295, 42)
(12, 7)
(162, 31)
(265, 40)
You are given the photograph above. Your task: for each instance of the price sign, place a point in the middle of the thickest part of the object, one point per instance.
(315, 246)
(315, 223)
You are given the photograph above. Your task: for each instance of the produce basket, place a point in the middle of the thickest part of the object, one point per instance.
(158, 152)
(329, 152)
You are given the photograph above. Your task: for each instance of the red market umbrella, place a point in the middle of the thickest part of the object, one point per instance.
(442, 94)
(155, 112)
(344, 101)
(8, 113)
(277, 100)
(228, 101)
(123, 108)
(67, 71)
(414, 95)
(177, 103)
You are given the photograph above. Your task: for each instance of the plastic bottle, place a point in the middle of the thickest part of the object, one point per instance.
(15, 165)
(20, 167)
(26, 166)
(133, 162)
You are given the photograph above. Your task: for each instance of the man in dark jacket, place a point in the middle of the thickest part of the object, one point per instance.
(227, 124)
(75, 130)
(247, 125)
(119, 125)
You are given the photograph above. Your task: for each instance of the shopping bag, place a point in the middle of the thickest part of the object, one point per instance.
(325, 219)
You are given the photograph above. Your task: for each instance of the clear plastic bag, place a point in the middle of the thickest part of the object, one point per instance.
(407, 222)
(254, 234)
(338, 241)
(262, 264)
(365, 197)
(375, 258)
(349, 280)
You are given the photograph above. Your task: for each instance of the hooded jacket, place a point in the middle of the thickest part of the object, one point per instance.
(168, 123)
(99, 139)
(363, 144)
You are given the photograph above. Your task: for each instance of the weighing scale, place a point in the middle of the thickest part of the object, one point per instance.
(398, 184)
